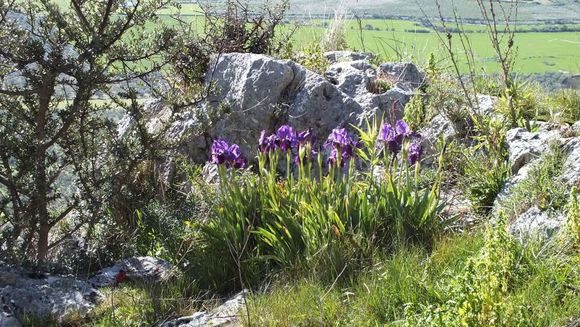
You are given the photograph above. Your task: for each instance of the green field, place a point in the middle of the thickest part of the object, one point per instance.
(536, 52)
(530, 10)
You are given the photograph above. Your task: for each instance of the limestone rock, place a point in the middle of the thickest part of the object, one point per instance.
(405, 74)
(525, 147)
(439, 127)
(8, 320)
(42, 295)
(253, 92)
(487, 104)
(228, 314)
(136, 268)
(571, 169)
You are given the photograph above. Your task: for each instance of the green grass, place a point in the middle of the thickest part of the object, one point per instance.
(386, 293)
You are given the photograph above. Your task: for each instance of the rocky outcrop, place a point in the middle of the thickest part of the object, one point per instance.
(571, 169)
(525, 147)
(228, 314)
(537, 223)
(403, 74)
(255, 92)
(24, 292)
(8, 320)
(442, 127)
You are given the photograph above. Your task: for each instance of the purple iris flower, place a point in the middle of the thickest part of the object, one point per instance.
(220, 153)
(267, 144)
(394, 137)
(339, 138)
(230, 155)
(415, 152)
(402, 130)
(341, 142)
(389, 137)
(286, 138)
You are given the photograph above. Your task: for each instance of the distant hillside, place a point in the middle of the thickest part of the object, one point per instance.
(528, 9)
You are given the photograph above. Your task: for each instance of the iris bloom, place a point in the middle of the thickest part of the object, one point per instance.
(395, 137)
(224, 154)
(305, 140)
(286, 138)
(389, 137)
(342, 142)
(267, 144)
(415, 152)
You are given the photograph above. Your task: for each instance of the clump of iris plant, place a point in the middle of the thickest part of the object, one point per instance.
(341, 143)
(343, 147)
(393, 138)
(223, 153)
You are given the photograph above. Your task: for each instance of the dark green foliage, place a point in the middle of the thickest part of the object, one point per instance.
(63, 161)
(483, 179)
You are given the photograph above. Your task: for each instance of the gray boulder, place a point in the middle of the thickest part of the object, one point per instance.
(525, 147)
(571, 169)
(228, 314)
(43, 295)
(257, 92)
(345, 56)
(8, 320)
(404, 74)
(136, 268)
(357, 79)
(487, 105)
(537, 223)
(440, 127)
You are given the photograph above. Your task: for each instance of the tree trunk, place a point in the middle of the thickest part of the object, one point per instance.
(41, 183)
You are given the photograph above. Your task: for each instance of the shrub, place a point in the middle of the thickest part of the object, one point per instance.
(161, 230)
(483, 179)
(323, 222)
(486, 166)
(334, 38)
(416, 113)
(566, 104)
(312, 57)
(235, 26)
(445, 98)
(480, 295)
